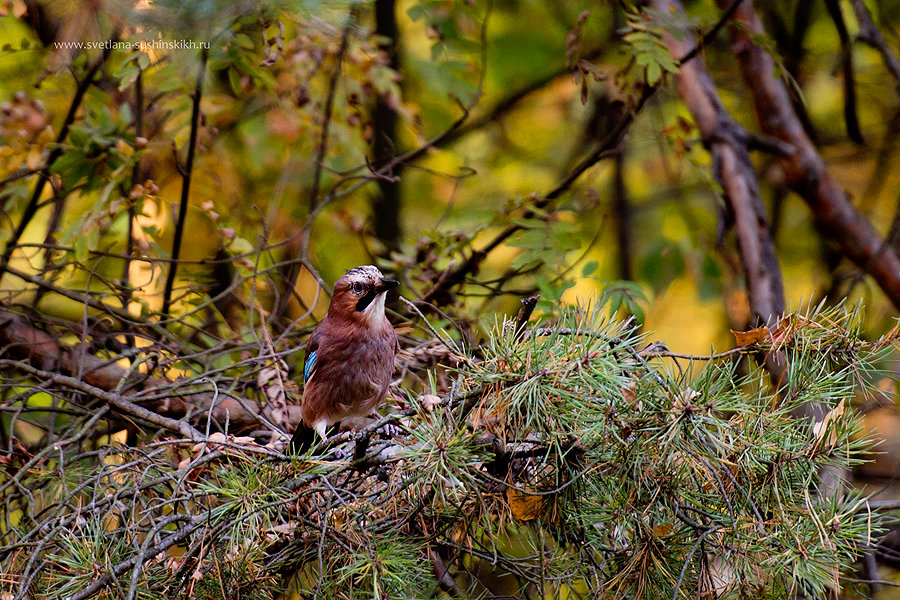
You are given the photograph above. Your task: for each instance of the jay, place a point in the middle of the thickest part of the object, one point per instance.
(349, 356)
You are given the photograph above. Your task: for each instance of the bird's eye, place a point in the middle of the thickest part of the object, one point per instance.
(357, 288)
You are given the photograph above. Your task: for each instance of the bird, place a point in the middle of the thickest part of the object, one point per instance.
(349, 356)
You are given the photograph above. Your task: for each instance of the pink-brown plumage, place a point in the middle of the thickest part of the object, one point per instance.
(352, 352)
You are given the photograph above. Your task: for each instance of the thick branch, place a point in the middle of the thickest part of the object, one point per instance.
(728, 143)
(804, 170)
(136, 178)
(387, 202)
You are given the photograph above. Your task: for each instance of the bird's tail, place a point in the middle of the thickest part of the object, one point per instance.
(304, 438)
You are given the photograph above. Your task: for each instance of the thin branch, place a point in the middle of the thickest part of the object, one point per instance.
(726, 15)
(195, 522)
(35, 349)
(850, 118)
(319, 161)
(186, 184)
(870, 34)
(57, 151)
(114, 399)
(21, 173)
(607, 148)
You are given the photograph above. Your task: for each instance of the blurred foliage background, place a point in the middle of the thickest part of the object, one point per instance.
(180, 183)
(653, 216)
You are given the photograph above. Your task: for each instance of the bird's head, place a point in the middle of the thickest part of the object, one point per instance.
(359, 295)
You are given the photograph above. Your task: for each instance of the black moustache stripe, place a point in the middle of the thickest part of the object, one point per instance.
(366, 300)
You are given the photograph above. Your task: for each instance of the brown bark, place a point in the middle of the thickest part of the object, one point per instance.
(804, 169)
(727, 142)
(20, 341)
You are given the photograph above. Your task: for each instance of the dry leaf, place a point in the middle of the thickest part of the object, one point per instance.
(683, 402)
(273, 381)
(748, 338)
(429, 401)
(524, 506)
(629, 394)
(783, 333)
(824, 430)
(662, 530)
(216, 436)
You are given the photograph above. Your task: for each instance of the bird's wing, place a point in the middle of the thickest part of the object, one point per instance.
(312, 347)
(309, 365)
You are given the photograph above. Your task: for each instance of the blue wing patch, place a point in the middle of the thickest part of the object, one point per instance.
(309, 365)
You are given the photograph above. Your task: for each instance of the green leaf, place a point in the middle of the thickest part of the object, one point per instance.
(82, 248)
(234, 79)
(66, 161)
(125, 116)
(78, 137)
(654, 72)
(127, 76)
(417, 12)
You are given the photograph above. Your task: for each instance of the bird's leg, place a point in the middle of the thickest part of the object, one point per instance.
(321, 428)
(327, 432)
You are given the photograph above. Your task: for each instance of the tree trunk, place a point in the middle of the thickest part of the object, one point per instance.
(386, 204)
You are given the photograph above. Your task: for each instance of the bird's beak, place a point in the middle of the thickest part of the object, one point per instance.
(386, 284)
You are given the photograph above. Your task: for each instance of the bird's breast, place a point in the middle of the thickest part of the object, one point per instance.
(353, 372)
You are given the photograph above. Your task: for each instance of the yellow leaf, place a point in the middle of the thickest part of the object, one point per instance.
(662, 530)
(120, 437)
(124, 148)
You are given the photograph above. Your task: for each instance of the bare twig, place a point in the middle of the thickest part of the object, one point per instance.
(871, 34)
(186, 184)
(24, 345)
(113, 398)
(294, 268)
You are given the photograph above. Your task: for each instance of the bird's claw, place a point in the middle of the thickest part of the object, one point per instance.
(389, 430)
